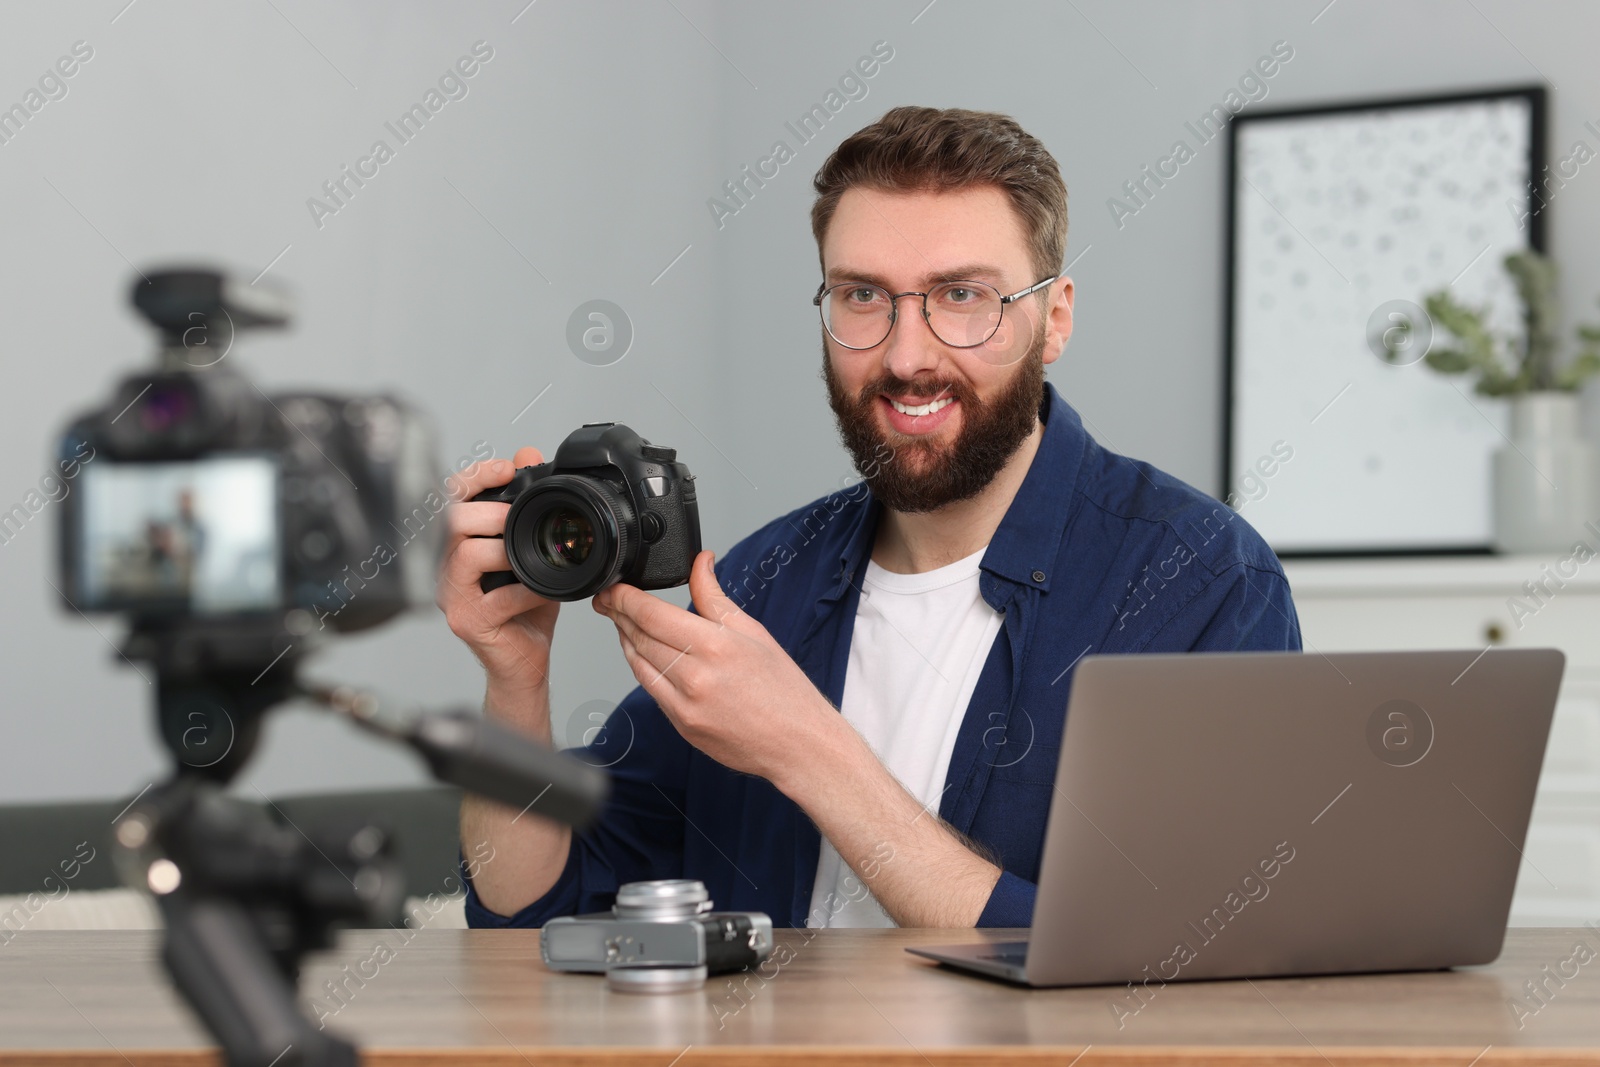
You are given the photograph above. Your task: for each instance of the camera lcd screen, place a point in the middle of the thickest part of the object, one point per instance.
(196, 536)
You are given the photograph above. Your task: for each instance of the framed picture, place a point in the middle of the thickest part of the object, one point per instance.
(1340, 220)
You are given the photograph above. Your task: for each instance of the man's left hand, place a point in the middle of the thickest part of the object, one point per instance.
(720, 677)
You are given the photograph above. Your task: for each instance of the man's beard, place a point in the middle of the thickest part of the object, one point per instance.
(912, 474)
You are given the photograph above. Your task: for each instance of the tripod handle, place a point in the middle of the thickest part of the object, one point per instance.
(484, 757)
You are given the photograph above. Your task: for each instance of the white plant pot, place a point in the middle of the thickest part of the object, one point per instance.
(1546, 480)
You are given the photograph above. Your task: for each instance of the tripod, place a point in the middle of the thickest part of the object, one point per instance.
(243, 897)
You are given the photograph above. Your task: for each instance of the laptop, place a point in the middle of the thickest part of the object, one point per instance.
(1233, 814)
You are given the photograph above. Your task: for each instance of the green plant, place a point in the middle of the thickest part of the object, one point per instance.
(1509, 365)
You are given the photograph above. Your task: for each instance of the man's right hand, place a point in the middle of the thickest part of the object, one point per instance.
(511, 628)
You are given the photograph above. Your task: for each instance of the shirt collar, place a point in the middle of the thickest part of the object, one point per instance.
(1027, 543)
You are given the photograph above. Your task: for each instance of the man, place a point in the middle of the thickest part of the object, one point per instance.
(860, 724)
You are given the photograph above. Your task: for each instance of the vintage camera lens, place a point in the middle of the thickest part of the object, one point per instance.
(565, 537)
(663, 900)
(655, 979)
(570, 536)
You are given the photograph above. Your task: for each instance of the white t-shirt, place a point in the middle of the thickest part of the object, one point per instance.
(919, 644)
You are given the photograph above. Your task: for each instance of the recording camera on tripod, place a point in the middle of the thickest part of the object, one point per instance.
(216, 519)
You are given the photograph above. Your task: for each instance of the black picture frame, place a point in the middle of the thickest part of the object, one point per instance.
(1378, 544)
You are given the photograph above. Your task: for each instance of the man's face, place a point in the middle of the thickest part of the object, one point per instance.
(988, 397)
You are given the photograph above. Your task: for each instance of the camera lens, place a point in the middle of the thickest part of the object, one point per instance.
(569, 536)
(662, 900)
(565, 537)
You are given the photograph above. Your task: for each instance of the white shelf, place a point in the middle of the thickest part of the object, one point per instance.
(1434, 575)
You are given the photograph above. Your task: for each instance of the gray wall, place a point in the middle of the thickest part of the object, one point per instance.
(577, 167)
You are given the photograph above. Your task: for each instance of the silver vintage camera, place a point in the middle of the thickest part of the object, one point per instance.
(659, 937)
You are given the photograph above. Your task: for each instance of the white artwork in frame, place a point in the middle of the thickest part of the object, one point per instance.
(1335, 213)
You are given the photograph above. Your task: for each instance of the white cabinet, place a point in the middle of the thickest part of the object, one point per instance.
(1477, 602)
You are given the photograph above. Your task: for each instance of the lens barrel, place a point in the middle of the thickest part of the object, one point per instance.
(569, 537)
(662, 900)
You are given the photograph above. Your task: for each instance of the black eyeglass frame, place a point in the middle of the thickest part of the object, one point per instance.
(894, 308)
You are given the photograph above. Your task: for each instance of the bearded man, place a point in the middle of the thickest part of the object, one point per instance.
(859, 724)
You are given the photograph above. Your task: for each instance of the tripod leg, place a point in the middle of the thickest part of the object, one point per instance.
(219, 964)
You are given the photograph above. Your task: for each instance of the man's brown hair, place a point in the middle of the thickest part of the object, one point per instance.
(918, 149)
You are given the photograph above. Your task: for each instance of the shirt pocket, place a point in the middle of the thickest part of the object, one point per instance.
(1023, 763)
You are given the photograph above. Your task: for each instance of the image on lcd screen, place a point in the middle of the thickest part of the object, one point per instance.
(199, 536)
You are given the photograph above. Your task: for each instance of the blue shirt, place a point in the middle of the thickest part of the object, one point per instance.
(1098, 553)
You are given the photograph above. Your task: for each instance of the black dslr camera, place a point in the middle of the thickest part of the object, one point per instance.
(611, 507)
(230, 527)
(213, 507)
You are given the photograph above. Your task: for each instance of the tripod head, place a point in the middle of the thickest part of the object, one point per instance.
(216, 681)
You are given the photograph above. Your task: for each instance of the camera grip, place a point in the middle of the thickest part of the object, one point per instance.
(504, 494)
(493, 580)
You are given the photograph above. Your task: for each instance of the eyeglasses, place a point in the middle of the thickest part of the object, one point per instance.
(961, 314)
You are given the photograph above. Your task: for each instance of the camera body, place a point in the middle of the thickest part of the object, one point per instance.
(611, 507)
(215, 510)
(660, 936)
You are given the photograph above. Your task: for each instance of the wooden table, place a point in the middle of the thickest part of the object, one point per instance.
(844, 996)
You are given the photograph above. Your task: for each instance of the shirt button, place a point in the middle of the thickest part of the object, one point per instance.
(1038, 576)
